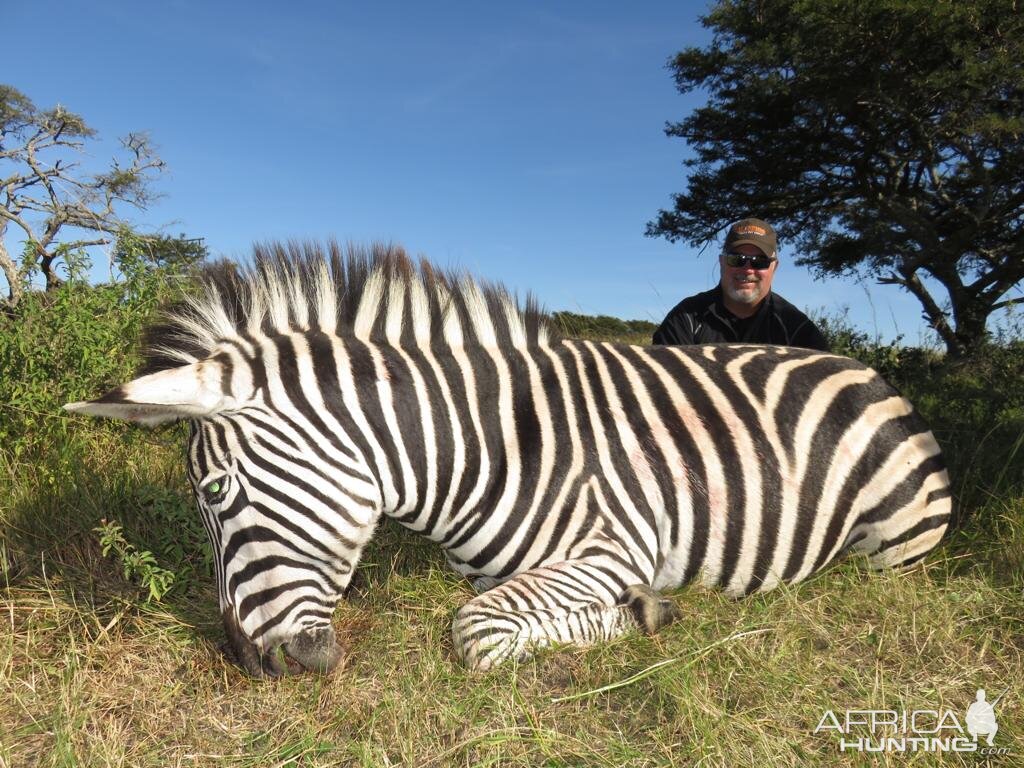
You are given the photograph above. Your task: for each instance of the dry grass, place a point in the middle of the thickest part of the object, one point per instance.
(91, 675)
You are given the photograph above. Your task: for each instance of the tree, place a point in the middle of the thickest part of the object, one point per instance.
(883, 136)
(58, 208)
(172, 254)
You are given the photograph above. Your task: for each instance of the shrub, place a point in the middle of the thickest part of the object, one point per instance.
(64, 473)
(604, 328)
(975, 406)
(72, 343)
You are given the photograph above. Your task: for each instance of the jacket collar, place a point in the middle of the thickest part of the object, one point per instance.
(717, 307)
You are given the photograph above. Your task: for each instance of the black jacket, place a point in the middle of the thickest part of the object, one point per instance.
(703, 319)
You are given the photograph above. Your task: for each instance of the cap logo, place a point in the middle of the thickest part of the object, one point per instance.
(750, 229)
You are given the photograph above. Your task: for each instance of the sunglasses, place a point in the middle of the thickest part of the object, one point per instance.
(741, 260)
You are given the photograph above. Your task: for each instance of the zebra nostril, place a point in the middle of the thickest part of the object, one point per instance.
(316, 649)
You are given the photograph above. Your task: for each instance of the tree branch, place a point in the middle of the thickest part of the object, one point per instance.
(1007, 303)
(10, 270)
(933, 313)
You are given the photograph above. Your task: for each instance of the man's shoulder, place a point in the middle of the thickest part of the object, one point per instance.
(697, 303)
(683, 323)
(799, 330)
(784, 308)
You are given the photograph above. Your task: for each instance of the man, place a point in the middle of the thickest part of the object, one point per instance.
(742, 307)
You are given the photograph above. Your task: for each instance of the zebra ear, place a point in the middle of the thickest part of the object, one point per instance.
(187, 392)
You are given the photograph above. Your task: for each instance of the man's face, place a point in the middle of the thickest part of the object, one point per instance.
(746, 285)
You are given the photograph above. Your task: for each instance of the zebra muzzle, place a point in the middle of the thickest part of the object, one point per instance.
(309, 650)
(317, 649)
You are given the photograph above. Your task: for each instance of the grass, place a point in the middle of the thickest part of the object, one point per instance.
(93, 674)
(90, 674)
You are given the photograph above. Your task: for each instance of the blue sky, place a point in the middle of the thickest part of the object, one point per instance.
(523, 141)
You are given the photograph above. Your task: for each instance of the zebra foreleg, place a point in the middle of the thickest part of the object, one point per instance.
(563, 603)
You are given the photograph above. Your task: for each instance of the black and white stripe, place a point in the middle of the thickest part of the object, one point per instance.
(571, 479)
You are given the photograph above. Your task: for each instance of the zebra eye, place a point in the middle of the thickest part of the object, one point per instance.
(215, 490)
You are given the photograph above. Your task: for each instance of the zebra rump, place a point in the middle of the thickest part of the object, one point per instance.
(571, 481)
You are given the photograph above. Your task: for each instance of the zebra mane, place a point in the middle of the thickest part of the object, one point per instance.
(376, 294)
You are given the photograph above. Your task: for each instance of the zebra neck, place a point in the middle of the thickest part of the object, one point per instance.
(439, 421)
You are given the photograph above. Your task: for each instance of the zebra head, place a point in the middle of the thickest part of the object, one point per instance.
(286, 526)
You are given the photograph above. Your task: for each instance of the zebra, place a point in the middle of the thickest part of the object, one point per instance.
(571, 482)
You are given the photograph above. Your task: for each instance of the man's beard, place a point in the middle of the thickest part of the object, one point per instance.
(748, 296)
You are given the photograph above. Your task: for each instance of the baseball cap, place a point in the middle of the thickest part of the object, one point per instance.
(752, 232)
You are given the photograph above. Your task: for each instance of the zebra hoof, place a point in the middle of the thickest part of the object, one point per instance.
(649, 608)
(315, 650)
